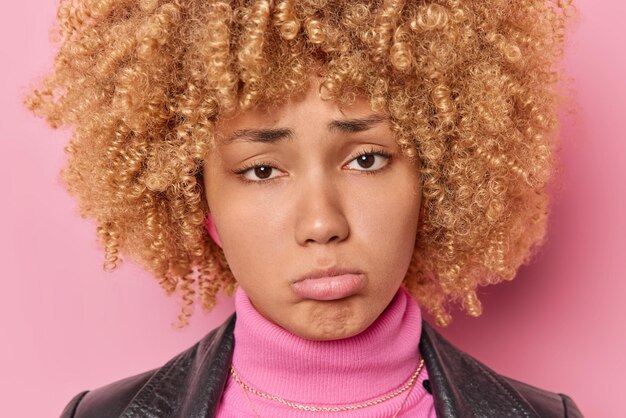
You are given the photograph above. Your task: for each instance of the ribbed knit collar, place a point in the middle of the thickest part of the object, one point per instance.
(370, 364)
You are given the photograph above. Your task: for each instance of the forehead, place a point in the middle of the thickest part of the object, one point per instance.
(307, 111)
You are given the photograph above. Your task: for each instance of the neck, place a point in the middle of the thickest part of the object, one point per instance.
(374, 362)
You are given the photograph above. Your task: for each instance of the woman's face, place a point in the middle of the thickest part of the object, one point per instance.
(307, 188)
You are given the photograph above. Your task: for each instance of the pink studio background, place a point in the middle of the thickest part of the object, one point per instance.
(69, 326)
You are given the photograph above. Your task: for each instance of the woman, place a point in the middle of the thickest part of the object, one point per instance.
(338, 166)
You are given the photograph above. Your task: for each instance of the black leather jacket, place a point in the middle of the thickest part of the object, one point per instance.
(190, 385)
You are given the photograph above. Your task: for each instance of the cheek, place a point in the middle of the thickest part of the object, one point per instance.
(385, 223)
(250, 230)
(243, 216)
(387, 214)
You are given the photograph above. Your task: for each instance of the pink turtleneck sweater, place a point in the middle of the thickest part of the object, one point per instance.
(343, 372)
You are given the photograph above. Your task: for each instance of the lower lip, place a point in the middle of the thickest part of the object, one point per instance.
(330, 288)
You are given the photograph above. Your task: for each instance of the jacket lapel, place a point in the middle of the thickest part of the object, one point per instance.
(465, 388)
(209, 372)
(191, 384)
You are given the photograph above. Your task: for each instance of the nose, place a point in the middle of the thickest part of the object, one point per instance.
(320, 217)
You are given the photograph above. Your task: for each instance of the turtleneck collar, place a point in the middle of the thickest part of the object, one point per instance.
(372, 363)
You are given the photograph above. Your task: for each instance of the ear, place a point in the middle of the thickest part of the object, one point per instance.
(209, 225)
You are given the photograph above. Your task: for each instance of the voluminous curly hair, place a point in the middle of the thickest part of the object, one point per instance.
(470, 87)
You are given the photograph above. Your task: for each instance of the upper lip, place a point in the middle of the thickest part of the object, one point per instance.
(329, 272)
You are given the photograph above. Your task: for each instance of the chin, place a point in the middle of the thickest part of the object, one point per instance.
(329, 320)
(327, 331)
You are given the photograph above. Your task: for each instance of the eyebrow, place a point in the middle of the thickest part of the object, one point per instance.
(356, 125)
(275, 135)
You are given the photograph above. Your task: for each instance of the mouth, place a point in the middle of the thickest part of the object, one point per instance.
(330, 284)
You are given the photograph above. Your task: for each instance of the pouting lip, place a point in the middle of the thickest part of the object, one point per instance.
(333, 271)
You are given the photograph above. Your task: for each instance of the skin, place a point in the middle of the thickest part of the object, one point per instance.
(313, 205)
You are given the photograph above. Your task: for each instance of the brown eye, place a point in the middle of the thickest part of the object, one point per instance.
(258, 172)
(370, 161)
(366, 161)
(263, 171)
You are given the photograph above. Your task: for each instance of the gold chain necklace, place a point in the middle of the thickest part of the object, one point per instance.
(314, 408)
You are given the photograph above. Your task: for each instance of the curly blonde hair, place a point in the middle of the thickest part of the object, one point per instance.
(470, 87)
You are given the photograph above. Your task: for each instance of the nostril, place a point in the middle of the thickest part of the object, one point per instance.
(331, 239)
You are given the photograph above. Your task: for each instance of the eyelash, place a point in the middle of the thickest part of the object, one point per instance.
(240, 172)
